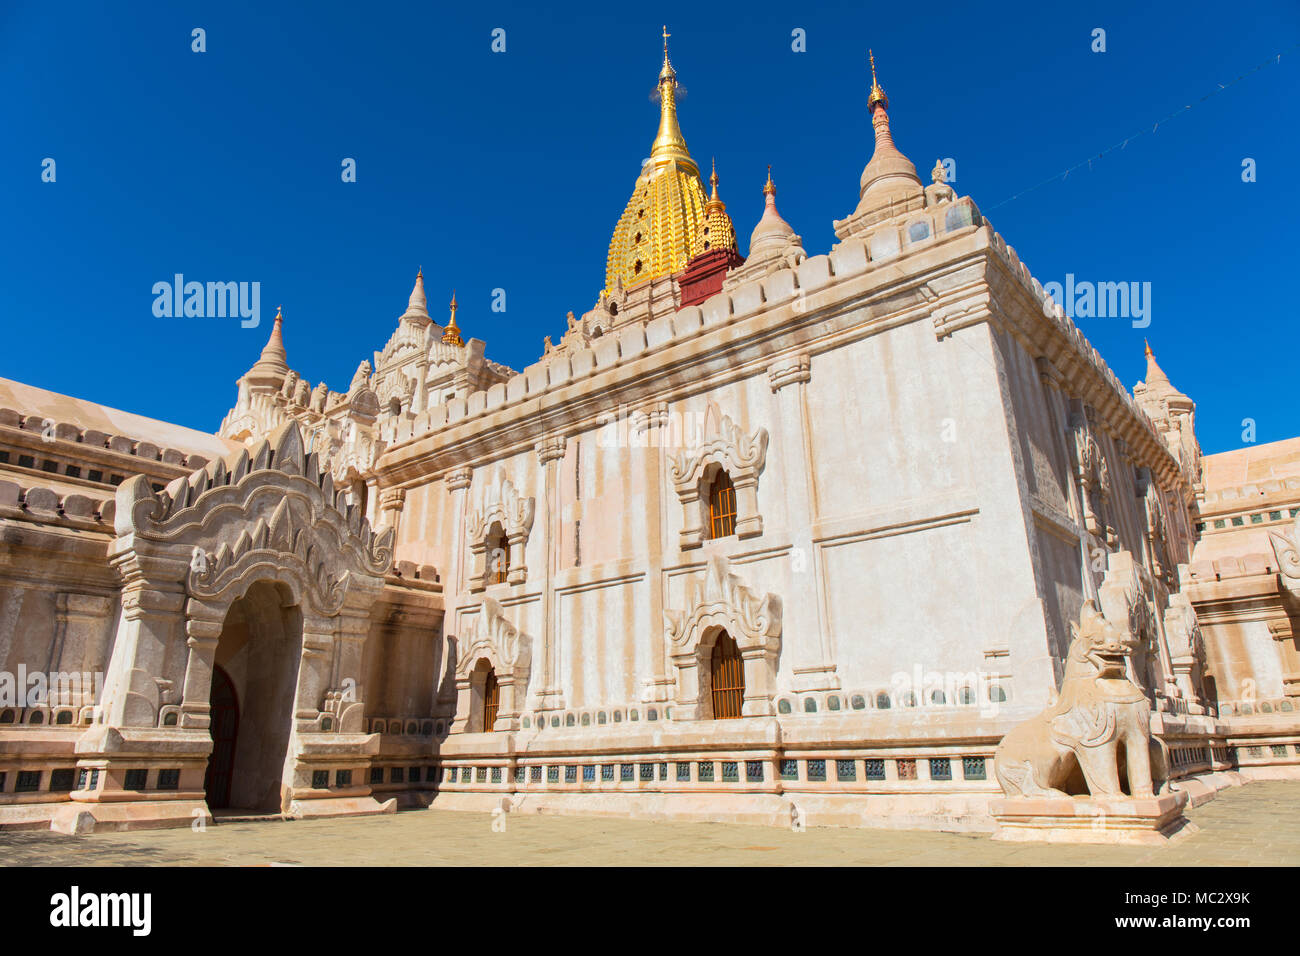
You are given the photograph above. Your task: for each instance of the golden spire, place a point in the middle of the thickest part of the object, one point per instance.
(662, 225)
(877, 91)
(769, 188)
(718, 231)
(669, 144)
(451, 335)
(715, 201)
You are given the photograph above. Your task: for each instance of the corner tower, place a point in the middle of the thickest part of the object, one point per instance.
(661, 226)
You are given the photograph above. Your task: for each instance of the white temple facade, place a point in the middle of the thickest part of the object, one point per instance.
(800, 530)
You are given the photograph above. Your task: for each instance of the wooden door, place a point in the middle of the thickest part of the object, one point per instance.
(491, 700)
(225, 729)
(728, 676)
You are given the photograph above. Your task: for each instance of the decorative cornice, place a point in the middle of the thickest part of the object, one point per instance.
(551, 449)
(789, 371)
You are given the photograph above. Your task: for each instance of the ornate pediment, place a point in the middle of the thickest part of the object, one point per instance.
(721, 602)
(271, 511)
(493, 637)
(752, 618)
(501, 503)
(725, 442)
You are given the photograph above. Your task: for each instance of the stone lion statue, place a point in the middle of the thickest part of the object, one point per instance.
(1098, 731)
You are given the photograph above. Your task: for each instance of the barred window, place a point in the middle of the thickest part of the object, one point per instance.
(722, 506)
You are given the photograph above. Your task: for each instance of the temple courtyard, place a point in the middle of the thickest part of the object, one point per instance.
(1250, 825)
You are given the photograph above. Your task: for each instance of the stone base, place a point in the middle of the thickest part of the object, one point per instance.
(1144, 820)
(950, 812)
(78, 818)
(340, 807)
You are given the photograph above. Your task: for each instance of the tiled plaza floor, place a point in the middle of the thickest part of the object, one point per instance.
(1252, 825)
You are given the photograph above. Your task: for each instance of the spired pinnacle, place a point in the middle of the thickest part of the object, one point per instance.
(1154, 372)
(773, 235)
(719, 232)
(451, 335)
(877, 91)
(715, 201)
(669, 143)
(662, 225)
(273, 365)
(889, 176)
(418, 304)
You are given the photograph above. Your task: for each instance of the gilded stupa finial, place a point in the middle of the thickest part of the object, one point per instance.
(451, 335)
(715, 203)
(877, 91)
(669, 144)
(769, 188)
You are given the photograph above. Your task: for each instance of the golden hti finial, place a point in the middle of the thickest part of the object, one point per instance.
(715, 203)
(877, 91)
(279, 317)
(769, 189)
(669, 144)
(451, 335)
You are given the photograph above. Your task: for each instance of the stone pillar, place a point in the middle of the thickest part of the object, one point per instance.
(350, 629)
(549, 695)
(151, 615)
(653, 421)
(391, 501)
(517, 572)
(81, 632)
(1055, 400)
(454, 584)
(1167, 672)
(469, 701)
(689, 705)
(760, 684)
(814, 661)
(203, 626)
(372, 501)
(315, 669)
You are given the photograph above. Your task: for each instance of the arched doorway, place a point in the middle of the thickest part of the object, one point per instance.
(254, 687)
(727, 678)
(224, 704)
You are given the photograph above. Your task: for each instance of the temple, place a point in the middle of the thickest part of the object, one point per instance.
(759, 534)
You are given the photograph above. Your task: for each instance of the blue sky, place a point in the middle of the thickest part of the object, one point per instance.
(509, 170)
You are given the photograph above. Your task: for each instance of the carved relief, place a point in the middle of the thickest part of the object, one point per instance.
(752, 619)
(1186, 647)
(1093, 473)
(505, 508)
(1074, 746)
(728, 446)
(269, 513)
(1286, 548)
(508, 652)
